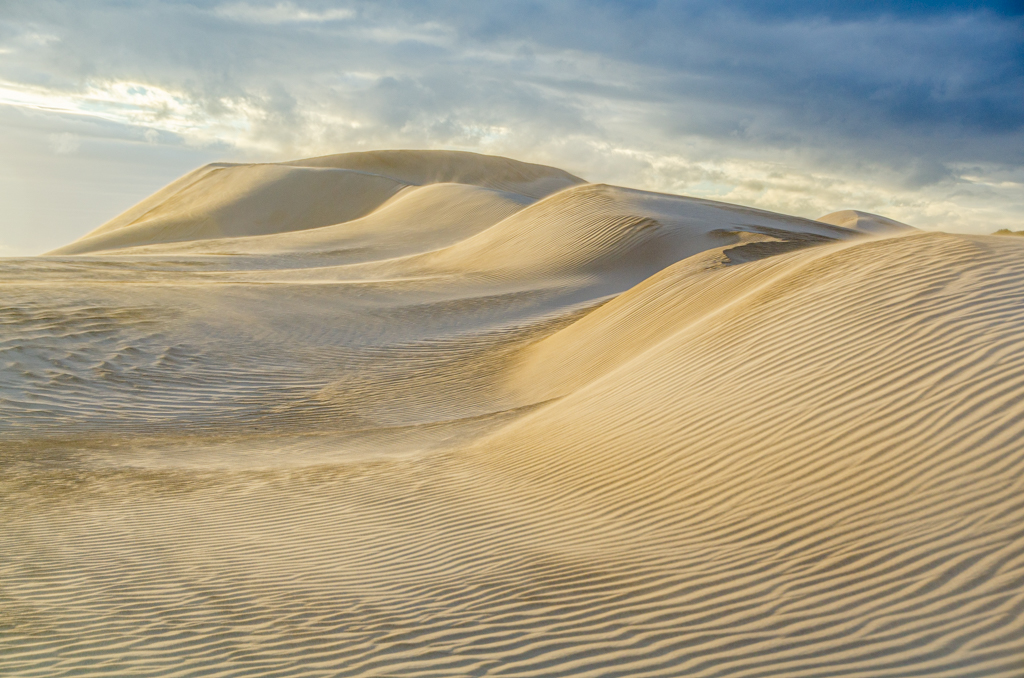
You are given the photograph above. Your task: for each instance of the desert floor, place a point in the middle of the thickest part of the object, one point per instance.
(439, 414)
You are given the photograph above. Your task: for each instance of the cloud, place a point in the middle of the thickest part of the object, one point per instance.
(280, 13)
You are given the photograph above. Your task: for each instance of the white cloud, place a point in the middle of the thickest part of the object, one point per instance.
(142, 105)
(281, 13)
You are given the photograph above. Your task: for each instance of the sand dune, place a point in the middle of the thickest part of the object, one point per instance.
(424, 413)
(230, 200)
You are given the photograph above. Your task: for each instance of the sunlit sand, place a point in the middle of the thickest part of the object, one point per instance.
(421, 413)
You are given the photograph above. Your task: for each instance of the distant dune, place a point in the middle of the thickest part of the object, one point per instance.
(425, 413)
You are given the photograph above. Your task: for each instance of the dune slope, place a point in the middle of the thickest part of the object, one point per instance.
(505, 423)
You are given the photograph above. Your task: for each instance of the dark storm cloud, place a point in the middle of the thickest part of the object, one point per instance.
(862, 72)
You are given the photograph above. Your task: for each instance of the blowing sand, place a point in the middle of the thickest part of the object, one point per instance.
(440, 414)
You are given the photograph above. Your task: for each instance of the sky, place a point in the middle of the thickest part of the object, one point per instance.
(913, 110)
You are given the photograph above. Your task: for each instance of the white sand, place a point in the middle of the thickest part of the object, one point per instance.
(439, 414)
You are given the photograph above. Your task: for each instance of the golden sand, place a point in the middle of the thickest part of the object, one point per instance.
(441, 414)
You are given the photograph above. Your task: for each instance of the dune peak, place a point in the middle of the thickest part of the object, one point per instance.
(865, 222)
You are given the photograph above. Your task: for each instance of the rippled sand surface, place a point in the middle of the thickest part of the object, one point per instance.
(438, 414)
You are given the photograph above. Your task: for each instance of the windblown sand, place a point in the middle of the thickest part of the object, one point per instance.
(439, 414)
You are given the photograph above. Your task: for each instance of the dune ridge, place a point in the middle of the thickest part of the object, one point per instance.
(505, 422)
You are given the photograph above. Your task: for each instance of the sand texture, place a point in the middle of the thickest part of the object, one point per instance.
(440, 414)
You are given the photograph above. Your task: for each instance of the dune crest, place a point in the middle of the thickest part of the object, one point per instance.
(431, 413)
(866, 222)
